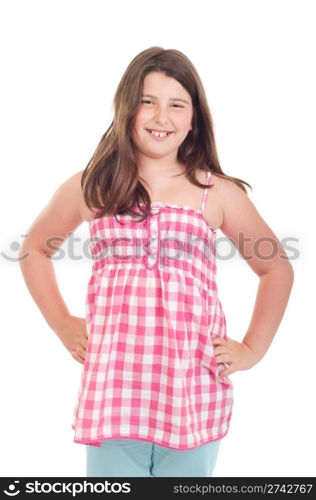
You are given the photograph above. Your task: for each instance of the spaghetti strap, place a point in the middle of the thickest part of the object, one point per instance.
(208, 178)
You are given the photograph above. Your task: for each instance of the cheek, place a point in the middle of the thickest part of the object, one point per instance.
(181, 121)
(140, 119)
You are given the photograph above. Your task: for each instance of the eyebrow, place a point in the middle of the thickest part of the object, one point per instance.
(171, 98)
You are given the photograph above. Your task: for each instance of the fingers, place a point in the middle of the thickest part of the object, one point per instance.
(219, 345)
(84, 343)
(219, 349)
(220, 352)
(77, 357)
(218, 341)
(226, 372)
(79, 353)
(80, 350)
(223, 358)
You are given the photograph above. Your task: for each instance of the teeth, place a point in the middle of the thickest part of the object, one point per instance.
(158, 134)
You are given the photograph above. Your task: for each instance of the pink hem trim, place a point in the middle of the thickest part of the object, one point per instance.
(97, 442)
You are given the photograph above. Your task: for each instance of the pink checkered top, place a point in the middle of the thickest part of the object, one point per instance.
(152, 308)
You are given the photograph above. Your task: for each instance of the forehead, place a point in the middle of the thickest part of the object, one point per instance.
(162, 86)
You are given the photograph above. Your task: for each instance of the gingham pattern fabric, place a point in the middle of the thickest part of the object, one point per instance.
(151, 310)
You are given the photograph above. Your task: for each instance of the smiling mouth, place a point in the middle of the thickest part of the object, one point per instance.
(159, 134)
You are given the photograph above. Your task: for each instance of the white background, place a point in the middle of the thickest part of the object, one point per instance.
(61, 62)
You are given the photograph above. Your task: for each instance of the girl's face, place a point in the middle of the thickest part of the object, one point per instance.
(165, 106)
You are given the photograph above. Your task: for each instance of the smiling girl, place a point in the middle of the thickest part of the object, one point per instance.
(155, 396)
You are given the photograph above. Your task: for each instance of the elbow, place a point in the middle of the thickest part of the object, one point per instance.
(288, 271)
(291, 274)
(27, 251)
(282, 269)
(284, 272)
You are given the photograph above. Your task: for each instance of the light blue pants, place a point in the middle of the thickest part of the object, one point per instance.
(136, 458)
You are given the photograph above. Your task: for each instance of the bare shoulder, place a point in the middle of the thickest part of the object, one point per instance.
(67, 199)
(237, 207)
(233, 199)
(70, 193)
(86, 212)
(223, 184)
(228, 190)
(75, 191)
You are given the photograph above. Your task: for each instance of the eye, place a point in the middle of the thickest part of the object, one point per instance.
(149, 102)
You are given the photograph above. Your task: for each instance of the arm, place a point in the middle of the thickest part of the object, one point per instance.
(62, 215)
(263, 252)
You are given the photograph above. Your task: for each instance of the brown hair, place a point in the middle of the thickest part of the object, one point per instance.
(110, 181)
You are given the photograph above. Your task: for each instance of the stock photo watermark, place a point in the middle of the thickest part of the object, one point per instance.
(124, 249)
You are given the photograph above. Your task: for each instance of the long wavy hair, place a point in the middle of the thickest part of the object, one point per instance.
(110, 181)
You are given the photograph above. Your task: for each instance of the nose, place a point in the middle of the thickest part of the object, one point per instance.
(161, 115)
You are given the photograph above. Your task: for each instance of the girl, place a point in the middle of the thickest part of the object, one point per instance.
(155, 397)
